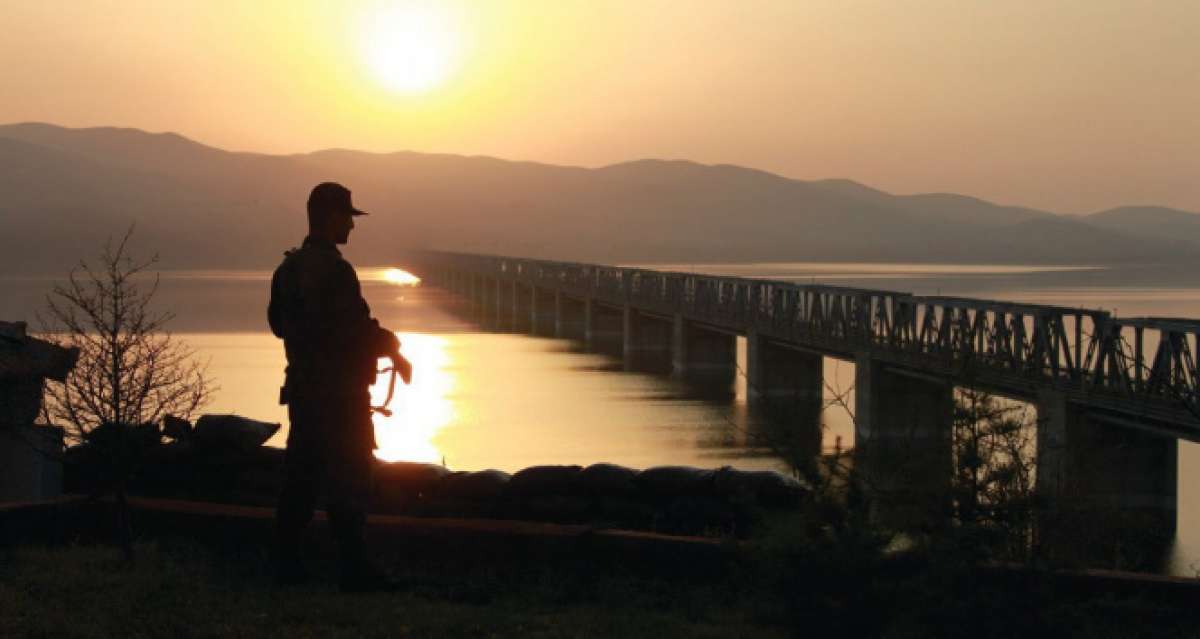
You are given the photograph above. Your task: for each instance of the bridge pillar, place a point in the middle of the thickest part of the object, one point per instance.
(485, 302)
(903, 425)
(679, 352)
(785, 387)
(503, 306)
(570, 318)
(605, 329)
(588, 323)
(703, 357)
(522, 307)
(543, 312)
(1109, 492)
(470, 295)
(647, 342)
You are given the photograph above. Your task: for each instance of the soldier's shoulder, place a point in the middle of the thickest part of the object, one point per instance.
(314, 266)
(310, 256)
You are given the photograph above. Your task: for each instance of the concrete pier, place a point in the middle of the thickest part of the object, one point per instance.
(704, 357)
(522, 308)
(774, 371)
(785, 386)
(570, 318)
(485, 301)
(502, 306)
(647, 345)
(1109, 491)
(903, 425)
(605, 329)
(543, 312)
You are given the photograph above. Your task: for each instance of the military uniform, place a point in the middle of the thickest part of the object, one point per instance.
(332, 346)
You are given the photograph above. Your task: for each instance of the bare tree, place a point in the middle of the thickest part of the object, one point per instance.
(130, 374)
(131, 370)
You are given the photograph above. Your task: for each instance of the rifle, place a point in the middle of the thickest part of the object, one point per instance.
(401, 368)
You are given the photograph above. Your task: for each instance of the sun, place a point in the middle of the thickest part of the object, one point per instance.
(410, 48)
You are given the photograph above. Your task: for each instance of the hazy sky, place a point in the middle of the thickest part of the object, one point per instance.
(1061, 104)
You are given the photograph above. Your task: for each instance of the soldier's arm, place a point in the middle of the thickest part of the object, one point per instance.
(278, 315)
(350, 316)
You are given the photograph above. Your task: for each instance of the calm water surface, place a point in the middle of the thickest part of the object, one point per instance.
(481, 400)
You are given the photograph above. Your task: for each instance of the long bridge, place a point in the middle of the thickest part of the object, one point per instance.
(1112, 394)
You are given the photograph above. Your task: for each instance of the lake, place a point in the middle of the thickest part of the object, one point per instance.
(483, 400)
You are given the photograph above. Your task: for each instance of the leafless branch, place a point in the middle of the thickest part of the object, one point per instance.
(131, 370)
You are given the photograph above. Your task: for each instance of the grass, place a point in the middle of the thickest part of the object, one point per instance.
(788, 583)
(182, 590)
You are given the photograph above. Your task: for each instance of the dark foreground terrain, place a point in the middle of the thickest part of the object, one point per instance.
(196, 574)
(175, 590)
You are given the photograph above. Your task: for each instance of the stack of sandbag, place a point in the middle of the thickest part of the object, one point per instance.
(667, 498)
(221, 458)
(231, 432)
(228, 459)
(400, 485)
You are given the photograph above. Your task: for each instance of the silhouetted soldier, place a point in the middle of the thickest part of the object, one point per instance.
(332, 345)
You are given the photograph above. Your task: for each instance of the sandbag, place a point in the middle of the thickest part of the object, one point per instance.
(232, 432)
(176, 428)
(607, 480)
(474, 486)
(671, 482)
(410, 477)
(694, 515)
(764, 487)
(398, 485)
(543, 481)
(563, 509)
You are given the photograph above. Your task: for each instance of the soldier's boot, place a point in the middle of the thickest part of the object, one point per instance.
(357, 573)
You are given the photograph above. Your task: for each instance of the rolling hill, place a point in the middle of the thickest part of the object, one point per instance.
(63, 191)
(1155, 222)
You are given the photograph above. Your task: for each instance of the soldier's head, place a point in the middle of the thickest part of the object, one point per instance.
(331, 213)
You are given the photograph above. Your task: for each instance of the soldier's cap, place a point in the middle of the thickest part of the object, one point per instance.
(331, 197)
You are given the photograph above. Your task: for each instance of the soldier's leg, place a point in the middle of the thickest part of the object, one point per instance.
(298, 499)
(349, 492)
(304, 469)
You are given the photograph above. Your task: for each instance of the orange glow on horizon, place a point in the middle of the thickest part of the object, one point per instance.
(807, 90)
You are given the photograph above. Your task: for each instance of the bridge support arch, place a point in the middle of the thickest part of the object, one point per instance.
(1108, 492)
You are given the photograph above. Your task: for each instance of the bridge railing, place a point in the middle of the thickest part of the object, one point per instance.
(1091, 352)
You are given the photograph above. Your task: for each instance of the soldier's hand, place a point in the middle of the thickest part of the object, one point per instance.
(402, 366)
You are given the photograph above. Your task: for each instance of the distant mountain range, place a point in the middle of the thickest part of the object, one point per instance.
(63, 191)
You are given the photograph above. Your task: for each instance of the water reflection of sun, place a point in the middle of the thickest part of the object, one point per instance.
(419, 410)
(400, 277)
